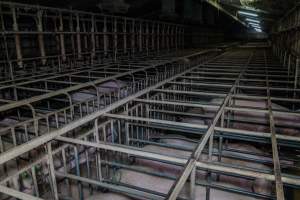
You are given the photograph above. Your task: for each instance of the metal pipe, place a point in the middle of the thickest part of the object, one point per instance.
(17, 37)
(78, 37)
(40, 36)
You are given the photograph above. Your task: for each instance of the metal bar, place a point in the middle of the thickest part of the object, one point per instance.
(17, 194)
(76, 87)
(19, 150)
(128, 191)
(220, 7)
(17, 37)
(52, 171)
(277, 170)
(190, 164)
(176, 160)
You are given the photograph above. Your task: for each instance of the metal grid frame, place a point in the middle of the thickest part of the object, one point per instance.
(44, 119)
(286, 37)
(76, 38)
(246, 74)
(156, 72)
(265, 76)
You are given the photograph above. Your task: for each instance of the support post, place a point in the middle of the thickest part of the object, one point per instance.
(78, 37)
(93, 41)
(62, 39)
(17, 38)
(105, 36)
(41, 36)
(52, 171)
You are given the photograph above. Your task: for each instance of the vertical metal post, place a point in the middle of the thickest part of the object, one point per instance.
(284, 58)
(192, 184)
(176, 38)
(93, 39)
(15, 181)
(168, 37)
(77, 168)
(62, 39)
(17, 37)
(296, 78)
(153, 36)
(41, 36)
(85, 36)
(173, 37)
(98, 153)
(147, 38)
(276, 161)
(63, 151)
(78, 37)
(133, 37)
(210, 152)
(34, 180)
(289, 66)
(182, 38)
(72, 35)
(88, 166)
(97, 40)
(163, 36)
(11, 70)
(105, 36)
(115, 21)
(158, 38)
(140, 36)
(52, 171)
(125, 36)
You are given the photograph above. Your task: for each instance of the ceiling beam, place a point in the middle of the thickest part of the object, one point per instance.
(272, 12)
(262, 18)
(222, 9)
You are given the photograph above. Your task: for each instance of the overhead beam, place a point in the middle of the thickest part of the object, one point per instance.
(273, 12)
(221, 8)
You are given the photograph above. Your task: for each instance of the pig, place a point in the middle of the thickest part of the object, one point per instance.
(258, 185)
(163, 185)
(106, 88)
(23, 182)
(111, 86)
(73, 193)
(103, 88)
(192, 119)
(83, 95)
(282, 122)
(107, 196)
(8, 122)
(8, 143)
